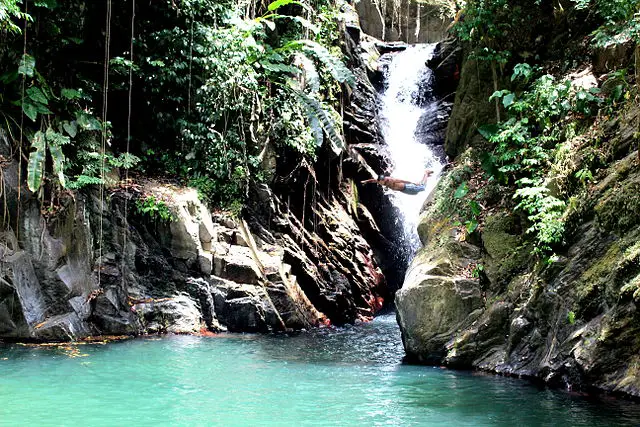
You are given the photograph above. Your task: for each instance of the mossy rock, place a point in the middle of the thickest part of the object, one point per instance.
(471, 107)
(430, 309)
(505, 250)
(619, 209)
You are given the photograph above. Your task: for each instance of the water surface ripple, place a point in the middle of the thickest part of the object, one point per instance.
(351, 376)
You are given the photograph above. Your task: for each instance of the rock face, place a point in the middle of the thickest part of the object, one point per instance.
(190, 273)
(404, 20)
(300, 257)
(484, 301)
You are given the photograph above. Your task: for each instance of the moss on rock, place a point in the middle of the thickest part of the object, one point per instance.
(619, 209)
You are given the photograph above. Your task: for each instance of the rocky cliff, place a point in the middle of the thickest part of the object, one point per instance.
(405, 20)
(149, 257)
(484, 300)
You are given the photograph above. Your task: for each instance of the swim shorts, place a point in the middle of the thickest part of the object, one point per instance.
(413, 188)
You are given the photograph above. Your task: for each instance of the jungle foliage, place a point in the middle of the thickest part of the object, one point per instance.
(543, 110)
(213, 86)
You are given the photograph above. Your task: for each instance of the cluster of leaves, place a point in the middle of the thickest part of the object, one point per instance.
(214, 85)
(621, 20)
(55, 119)
(10, 10)
(154, 208)
(233, 85)
(524, 145)
(485, 25)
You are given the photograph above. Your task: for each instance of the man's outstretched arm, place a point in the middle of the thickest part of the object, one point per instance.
(426, 176)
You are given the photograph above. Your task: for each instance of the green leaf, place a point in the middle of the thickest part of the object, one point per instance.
(29, 110)
(522, 70)
(87, 122)
(475, 208)
(279, 3)
(471, 226)
(36, 94)
(27, 65)
(461, 191)
(508, 100)
(35, 167)
(488, 131)
(498, 94)
(71, 93)
(49, 4)
(71, 128)
(41, 108)
(58, 163)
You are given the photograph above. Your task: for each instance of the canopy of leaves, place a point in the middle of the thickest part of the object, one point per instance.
(213, 83)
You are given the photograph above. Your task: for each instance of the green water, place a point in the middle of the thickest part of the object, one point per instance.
(350, 376)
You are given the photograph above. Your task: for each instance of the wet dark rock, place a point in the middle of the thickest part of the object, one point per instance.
(446, 64)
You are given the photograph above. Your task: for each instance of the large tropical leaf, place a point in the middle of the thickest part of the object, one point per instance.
(36, 94)
(58, 163)
(318, 114)
(312, 79)
(277, 4)
(335, 66)
(55, 141)
(35, 168)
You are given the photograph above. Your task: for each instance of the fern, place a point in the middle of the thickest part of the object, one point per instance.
(335, 66)
(279, 68)
(312, 79)
(320, 119)
(83, 181)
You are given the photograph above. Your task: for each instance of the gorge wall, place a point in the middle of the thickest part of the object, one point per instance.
(405, 20)
(483, 300)
(303, 253)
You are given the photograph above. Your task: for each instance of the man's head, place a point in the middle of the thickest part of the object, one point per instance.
(381, 177)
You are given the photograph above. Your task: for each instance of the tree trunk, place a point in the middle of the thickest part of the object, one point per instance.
(495, 88)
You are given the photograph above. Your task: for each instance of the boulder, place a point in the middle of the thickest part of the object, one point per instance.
(179, 315)
(435, 302)
(245, 308)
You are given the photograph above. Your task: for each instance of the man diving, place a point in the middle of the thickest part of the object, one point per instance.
(401, 185)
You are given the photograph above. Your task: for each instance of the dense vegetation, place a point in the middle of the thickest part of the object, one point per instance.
(201, 90)
(543, 117)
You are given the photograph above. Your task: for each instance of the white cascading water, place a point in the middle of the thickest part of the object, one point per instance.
(403, 109)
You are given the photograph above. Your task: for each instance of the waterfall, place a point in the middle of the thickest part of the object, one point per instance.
(408, 109)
